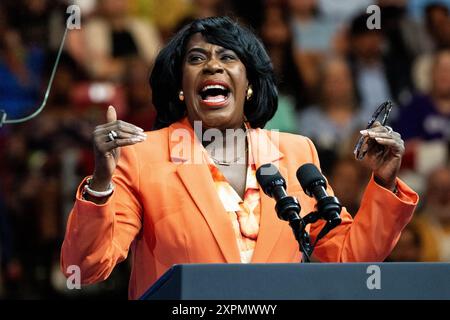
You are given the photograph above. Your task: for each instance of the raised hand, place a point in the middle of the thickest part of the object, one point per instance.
(108, 139)
(385, 149)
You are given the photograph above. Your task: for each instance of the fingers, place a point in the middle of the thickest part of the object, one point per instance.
(395, 144)
(104, 145)
(111, 114)
(116, 133)
(121, 135)
(377, 127)
(380, 131)
(384, 137)
(386, 141)
(380, 134)
(110, 145)
(119, 126)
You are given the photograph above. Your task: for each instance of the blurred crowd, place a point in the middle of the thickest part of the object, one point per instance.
(332, 72)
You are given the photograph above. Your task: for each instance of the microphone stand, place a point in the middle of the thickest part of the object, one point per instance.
(288, 209)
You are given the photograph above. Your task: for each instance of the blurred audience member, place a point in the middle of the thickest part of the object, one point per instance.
(405, 37)
(276, 35)
(252, 15)
(336, 117)
(312, 32)
(113, 37)
(416, 8)
(409, 247)
(434, 217)
(437, 21)
(20, 71)
(40, 22)
(427, 117)
(348, 178)
(209, 8)
(66, 79)
(342, 11)
(438, 25)
(312, 36)
(204, 8)
(424, 124)
(140, 109)
(377, 78)
(174, 11)
(10, 268)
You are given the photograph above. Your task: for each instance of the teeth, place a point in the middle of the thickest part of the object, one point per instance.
(216, 99)
(214, 86)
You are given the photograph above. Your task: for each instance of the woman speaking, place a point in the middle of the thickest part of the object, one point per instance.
(187, 193)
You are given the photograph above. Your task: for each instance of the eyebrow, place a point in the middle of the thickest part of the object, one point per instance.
(204, 51)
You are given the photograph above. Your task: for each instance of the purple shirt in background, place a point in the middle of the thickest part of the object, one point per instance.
(421, 119)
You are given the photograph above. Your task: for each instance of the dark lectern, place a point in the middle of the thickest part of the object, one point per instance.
(303, 281)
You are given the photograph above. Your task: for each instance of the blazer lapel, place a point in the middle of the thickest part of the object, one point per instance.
(196, 177)
(266, 150)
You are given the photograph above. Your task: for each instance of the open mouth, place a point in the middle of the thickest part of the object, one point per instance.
(214, 94)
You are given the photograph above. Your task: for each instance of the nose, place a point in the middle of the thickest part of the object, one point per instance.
(213, 66)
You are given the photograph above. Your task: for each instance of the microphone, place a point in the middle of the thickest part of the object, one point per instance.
(274, 185)
(314, 185)
(287, 207)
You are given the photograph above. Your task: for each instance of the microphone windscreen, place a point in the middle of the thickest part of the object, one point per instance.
(308, 174)
(268, 177)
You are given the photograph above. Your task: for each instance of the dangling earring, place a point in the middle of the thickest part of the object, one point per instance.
(181, 95)
(249, 92)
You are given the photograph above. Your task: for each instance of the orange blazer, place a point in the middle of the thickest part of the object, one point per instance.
(166, 210)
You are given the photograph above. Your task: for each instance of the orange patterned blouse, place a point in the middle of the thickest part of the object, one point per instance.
(244, 213)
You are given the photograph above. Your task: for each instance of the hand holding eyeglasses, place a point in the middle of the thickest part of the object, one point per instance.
(383, 147)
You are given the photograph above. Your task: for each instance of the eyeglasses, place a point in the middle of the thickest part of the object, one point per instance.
(381, 115)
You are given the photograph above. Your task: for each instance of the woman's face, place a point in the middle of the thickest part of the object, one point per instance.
(214, 83)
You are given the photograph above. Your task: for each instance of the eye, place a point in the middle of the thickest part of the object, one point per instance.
(228, 57)
(195, 58)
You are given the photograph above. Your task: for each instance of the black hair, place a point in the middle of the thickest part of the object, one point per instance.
(358, 25)
(166, 76)
(289, 78)
(435, 6)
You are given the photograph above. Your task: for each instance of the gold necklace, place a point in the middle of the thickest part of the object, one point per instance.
(227, 163)
(236, 159)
